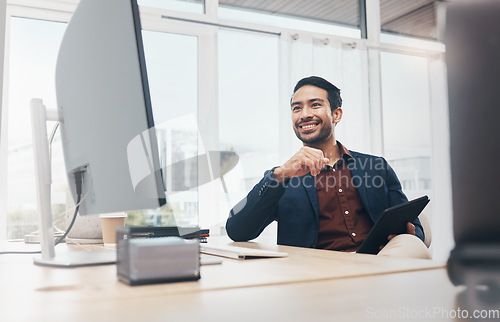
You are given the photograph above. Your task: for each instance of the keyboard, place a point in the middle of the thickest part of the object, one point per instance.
(239, 252)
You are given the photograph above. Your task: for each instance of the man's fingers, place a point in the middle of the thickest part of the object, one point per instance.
(309, 158)
(318, 159)
(312, 165)
(410, 228)
(312, 162)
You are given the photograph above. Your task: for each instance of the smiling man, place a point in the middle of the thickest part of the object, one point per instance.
(325, 196)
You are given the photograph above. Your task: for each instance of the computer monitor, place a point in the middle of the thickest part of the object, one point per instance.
(473, 63)
(104, 106)
(103, 97)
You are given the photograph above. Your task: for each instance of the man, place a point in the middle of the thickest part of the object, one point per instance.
(325, 196)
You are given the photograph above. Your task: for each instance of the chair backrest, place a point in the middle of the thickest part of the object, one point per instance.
(426, 225)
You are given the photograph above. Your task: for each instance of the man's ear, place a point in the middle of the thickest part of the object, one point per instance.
(337, 115)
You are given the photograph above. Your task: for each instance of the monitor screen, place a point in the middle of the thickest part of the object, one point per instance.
(103, 97)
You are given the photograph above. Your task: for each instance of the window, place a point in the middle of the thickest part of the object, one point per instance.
(411, 18)
(192, 6)
(343, 12)
(33, 49)
(171, 62)
(172, 70)
(338, 17)
(407, 121)
(248, 109)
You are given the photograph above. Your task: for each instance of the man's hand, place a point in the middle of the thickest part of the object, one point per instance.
(410, 229)
(306, 160)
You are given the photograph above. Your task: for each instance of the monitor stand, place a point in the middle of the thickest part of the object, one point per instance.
(39, 117)
(78, 259)
(470, 262)
(476, 266)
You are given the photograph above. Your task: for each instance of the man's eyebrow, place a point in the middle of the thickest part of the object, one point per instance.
(312, 100)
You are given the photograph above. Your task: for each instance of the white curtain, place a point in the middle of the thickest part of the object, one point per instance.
(344, 65)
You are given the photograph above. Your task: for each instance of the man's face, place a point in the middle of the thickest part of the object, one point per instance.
(311, 114)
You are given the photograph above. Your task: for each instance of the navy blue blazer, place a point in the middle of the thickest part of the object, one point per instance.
(294, 204)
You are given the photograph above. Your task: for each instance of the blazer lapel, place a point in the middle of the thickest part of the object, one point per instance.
(358, 174)
(309, 184)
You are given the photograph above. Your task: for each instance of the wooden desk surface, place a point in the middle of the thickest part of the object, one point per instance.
(306, 283)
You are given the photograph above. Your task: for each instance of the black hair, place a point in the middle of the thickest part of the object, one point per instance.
(332, 91)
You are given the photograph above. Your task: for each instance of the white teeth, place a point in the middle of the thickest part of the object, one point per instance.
(309, 126)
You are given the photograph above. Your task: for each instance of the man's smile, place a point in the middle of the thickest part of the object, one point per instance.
(308, 126)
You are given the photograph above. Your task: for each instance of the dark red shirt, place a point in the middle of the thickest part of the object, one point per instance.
(343, 221)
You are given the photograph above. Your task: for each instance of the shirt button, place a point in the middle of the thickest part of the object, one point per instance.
(340, 190)
(353, 234)
(333, 170)
(346, 212)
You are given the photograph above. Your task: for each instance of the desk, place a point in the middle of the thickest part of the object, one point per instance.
(308, 285)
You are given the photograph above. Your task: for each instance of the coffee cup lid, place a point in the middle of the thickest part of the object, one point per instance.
(113, 215)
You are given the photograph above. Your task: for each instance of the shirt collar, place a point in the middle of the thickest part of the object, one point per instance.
(344, 153)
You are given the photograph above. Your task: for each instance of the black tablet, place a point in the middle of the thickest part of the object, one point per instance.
(392, 222)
